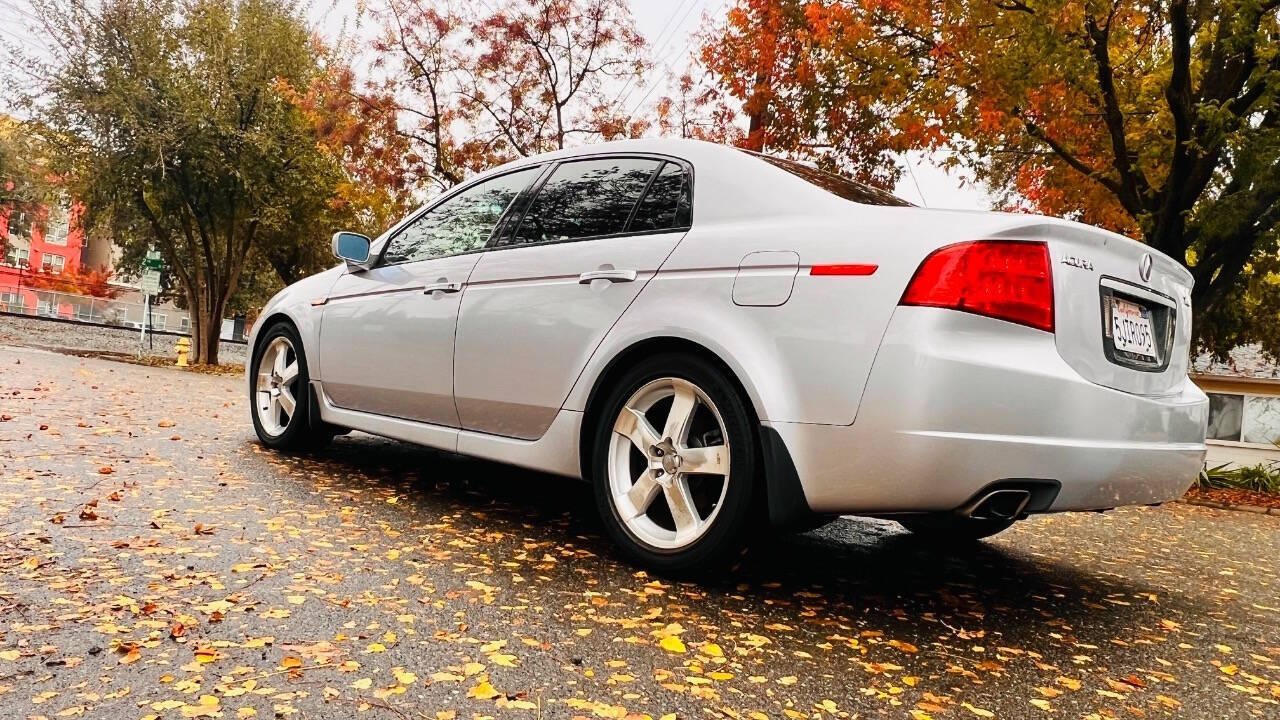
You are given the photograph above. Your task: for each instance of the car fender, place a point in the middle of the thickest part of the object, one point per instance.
(302, 304)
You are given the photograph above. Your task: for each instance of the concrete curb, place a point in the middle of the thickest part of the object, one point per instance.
(1255, 509)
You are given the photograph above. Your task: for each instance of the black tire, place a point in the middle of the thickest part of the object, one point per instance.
(300, 433)
(945, 528)
(725, 538)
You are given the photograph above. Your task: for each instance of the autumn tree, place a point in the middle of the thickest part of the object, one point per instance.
(544, 73)
(457, 88)
(90, 281)
(172, 123)
(699, 111)
(1160, 119)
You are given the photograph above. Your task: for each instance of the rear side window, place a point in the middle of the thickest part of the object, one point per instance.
(585, 198)
(666, 204)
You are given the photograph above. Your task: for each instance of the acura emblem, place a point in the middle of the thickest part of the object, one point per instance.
(1144, 267)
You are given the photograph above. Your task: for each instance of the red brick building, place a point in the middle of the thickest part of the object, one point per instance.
(36, 240)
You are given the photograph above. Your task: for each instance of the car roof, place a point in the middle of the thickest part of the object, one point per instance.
(729, 185)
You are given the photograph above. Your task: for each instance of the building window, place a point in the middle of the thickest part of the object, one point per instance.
(184, 323)
(1244, 418)
(16, 256)
(12, 302)
(158, 321)
(19, 224)
(52, 263)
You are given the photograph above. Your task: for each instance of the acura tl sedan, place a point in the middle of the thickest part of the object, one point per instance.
(719, 342)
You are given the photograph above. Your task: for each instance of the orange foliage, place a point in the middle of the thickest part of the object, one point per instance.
(94, 282)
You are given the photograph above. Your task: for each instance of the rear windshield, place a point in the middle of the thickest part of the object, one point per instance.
(837, 185)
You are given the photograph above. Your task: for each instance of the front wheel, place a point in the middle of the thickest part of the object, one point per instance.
(953, 528)
(674, 465)
(280, 394)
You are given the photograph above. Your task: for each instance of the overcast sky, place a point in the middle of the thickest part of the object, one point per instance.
(668, 26)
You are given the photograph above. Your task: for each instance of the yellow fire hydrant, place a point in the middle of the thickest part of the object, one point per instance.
(184, 349)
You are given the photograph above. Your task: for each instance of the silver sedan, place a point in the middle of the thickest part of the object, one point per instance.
(718, 341)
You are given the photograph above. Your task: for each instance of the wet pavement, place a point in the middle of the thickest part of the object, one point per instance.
(156, 561)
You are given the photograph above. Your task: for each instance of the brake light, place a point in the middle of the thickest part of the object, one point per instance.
(1004, 279)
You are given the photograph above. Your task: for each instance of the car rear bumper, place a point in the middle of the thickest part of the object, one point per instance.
(956, 402)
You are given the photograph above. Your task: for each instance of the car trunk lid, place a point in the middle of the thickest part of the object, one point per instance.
(1122, 310)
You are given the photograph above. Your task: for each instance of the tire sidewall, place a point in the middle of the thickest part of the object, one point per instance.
(298, 431)
(722, 541)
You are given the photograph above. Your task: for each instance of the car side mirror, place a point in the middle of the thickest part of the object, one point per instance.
(352, 247)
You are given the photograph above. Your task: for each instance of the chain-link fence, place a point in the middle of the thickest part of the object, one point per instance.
(104, 311)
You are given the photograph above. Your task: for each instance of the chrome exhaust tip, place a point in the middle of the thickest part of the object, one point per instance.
(1003, 504)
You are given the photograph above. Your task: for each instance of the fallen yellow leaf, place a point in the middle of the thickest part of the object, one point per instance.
(672, 644)
(482, 691)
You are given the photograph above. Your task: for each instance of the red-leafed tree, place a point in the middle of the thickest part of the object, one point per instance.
(698, 111)
(452, 91)
(91, 281)
(544, 73)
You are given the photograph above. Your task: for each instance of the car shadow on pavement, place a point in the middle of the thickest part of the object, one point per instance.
(852, 560)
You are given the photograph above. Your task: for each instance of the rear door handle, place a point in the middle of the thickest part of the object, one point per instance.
(611, 275)
(441, 286)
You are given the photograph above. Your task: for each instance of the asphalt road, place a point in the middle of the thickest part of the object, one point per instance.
(155, 561)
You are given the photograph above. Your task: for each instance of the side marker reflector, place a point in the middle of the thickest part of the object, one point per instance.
(849, 269)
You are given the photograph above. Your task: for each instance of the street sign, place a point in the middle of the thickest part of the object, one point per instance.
(153, 261)
(150, 282)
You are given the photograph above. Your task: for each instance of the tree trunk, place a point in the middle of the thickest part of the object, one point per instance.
(211, 330)
(206, 323)
(756, 116)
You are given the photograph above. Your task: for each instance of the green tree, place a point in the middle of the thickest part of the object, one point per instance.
(25, 183)
(24, 179)
(172, 121)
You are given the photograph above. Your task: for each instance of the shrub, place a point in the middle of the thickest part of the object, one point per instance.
(1263, 477)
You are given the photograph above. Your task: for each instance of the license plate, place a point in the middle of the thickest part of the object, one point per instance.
(1131, 329)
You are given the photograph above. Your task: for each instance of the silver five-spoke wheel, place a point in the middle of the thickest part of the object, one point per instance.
(276, 386)
(686, 463)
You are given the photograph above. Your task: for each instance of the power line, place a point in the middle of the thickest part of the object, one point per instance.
(688, 41)
(656, 40)
(14, 7)
(658, 53)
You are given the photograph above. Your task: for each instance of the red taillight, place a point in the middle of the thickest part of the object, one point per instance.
(1004, 279)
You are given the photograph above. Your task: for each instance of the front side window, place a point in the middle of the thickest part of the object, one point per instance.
(585, 198)
(461, 224)
(53, 263)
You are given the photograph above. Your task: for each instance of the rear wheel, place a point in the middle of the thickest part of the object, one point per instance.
(281, 395)
(953, 528)
(674, 465)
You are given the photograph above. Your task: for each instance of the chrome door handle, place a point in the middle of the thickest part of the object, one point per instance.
(445, 287)
(611, 275)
